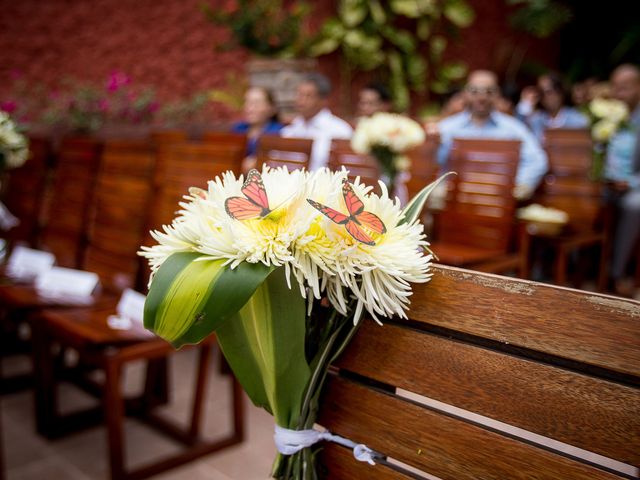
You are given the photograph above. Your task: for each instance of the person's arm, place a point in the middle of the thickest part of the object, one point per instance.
(533, 160)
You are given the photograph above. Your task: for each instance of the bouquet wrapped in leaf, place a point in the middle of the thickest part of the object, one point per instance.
(253, 258)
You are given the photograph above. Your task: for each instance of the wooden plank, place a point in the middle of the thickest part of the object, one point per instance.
(440, 444)
(598, 330)
(593, 414)
(339, 463)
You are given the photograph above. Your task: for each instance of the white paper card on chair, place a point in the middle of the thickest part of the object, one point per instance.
(27, 263)
(67, 284)
(131, 306)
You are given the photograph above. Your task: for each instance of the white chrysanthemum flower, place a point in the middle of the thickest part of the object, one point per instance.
(603, 130)
(379, 275)
(610, 109)
(319, 253)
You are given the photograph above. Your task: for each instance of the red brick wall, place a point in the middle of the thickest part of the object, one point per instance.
(169, 44)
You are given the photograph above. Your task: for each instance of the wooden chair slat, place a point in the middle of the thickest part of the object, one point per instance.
(592, 414)
(440, 444)
(597, 330)
(476, 229)
(424, 165)
(359, 165)
(116, 227)
(275, 151)
(342, 466)
(24, 196)
(68, 203)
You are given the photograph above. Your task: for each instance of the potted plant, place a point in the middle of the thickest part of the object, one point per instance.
(272, 30)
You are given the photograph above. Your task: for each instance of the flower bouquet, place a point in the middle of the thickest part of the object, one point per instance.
(282, 266)
(607, 117)
(386, 136)
(14, 147)
(544, 220)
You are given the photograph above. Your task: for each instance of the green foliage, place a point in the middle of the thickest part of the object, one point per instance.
(398, 39)
(540, 18)
(190, 297)
(265, 27)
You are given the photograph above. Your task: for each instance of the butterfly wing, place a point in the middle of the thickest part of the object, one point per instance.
(351, 200)
(372, 222)
(358, 233)
(242, 208)
(332, 214)
(254, 190)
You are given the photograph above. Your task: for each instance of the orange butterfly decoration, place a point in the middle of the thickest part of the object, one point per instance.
(357, 217)
(254, 204)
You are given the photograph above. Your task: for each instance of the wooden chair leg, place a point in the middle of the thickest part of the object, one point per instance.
(156, 388)
(560, 267)
(238, 410)
(46, 385)
(204, 360)
(114, 415)
(603, 272)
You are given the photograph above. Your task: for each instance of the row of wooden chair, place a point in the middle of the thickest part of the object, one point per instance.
(567, 186)
(102, 201)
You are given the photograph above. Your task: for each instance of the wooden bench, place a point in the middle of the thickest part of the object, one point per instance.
(491, 378)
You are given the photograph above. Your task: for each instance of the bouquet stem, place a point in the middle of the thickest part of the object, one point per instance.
(337, 333)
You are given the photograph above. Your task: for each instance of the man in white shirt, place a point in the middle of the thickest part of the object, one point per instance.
(315, 120)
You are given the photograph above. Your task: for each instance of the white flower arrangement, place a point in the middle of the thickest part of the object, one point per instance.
(607, 116)
(539, 213)
(395, 132)
(321, 255)
(13, 145)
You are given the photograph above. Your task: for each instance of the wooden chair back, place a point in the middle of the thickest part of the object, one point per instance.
(580, 198)
(162, 141)
(275, 151)
(424, 165)
(119, 213)
(68, 200)
(570, 152)
(25, 191)
(359, 165)
(224, 138)
(494, 378)
(480, 207)
(183, 166)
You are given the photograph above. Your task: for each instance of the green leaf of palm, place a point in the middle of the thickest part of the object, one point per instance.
(264, 345)
(190, 298)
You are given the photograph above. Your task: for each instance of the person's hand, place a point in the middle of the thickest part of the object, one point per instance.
(431, 128)
(248, 163)
(530, 95)
(522, 192)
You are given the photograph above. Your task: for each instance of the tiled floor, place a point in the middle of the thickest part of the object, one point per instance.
(82, 456)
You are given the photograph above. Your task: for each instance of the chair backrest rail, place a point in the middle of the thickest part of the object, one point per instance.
(493, 377)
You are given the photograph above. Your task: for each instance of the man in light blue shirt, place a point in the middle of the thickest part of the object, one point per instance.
(481, 120)
(623, 171)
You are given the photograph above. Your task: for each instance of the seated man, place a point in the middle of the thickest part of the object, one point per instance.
(314, 119)
(374, 98)
(481, 120)
(623, 172)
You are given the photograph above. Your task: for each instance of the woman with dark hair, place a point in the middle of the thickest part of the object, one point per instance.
(260, 117)
(554, 111)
